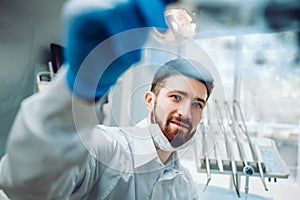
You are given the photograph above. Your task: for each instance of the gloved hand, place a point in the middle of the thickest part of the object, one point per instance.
(98, 50)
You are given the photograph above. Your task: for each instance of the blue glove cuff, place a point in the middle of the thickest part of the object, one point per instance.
(82, 88)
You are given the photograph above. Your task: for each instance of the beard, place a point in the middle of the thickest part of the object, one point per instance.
(176, 136)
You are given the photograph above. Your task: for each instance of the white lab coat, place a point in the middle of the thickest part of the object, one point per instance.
(55, 153)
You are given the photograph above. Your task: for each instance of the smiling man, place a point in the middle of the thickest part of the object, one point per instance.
(175, 103)
(58, 150)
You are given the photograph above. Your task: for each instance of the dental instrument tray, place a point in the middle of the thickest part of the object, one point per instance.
(265, 151)
(233, 151)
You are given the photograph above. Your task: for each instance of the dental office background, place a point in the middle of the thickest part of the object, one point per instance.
(254, 45)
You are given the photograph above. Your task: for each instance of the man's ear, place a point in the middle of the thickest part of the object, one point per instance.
(149, 100)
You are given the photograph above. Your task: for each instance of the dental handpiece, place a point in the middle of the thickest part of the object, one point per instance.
(206, 158)
(218, 157)
(207, 172)
(228, 149)
(233, 169)
(242, 125)
(204, 125)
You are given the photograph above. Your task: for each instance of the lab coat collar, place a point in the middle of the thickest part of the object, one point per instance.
(141, 144)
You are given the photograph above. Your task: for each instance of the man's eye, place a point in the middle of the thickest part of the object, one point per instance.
(176, 97)
(198, 105)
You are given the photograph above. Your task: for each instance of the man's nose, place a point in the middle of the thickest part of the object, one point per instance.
(185, 110)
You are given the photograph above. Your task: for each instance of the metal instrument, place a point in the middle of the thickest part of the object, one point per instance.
(248, 170)
(229, 150)
(242, 126)
(204, 126)
(218, 157)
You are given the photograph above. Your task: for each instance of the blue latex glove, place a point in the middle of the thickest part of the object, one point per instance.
(98, 50)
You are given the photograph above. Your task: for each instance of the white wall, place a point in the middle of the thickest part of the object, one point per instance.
(26, 30)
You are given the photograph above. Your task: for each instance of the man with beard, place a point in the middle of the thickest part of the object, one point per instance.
(175, 102)
(56, 150)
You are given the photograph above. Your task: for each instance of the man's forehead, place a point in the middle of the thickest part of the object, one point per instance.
(186, 84)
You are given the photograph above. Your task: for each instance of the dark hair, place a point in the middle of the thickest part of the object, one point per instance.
(186, 67)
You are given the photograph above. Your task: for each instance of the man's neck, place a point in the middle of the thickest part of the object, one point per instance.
(163, 155)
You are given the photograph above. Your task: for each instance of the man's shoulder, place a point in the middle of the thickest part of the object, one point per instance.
(109, 136)
(110, 131)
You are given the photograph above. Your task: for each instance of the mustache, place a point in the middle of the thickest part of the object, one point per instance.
(182, 120)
